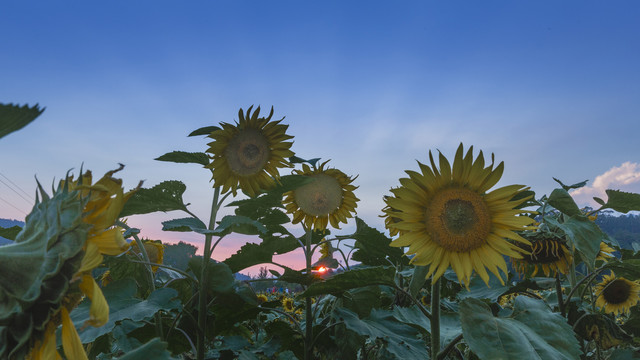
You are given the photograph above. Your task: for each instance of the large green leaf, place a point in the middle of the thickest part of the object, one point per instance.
(184, 224)
(400, 339)
(532, 331)
(185, 157)
(561, 200)
(239, 224)
(10, 233)
(372, 246)
(478, 289)
(449, 322)
(220, 277)
(622, 201)
(154, 349)
(418, 279)
(14, 117)
(584, 234)
(166, 196)
(123, 304)
(351, 279)
(629, 268)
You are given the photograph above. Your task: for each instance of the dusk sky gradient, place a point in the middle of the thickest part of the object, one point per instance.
(552, 88)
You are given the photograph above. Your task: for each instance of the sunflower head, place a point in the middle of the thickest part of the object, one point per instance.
(248, 154)
(327, 199)
(447, 218)
(50, 264)
(155, 251)
(606, 252)
(262, 298)
(546, 251)
(287, 304)
(616, 295)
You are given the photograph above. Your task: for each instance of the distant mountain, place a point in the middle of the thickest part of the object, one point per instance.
(6, 223)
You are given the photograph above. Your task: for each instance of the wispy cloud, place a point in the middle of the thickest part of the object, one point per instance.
(625, 177)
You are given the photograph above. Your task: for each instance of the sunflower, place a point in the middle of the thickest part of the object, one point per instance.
(50, 263)
(262, 298)
(249, 153)
(616, 295)
(546, 251)
(155, 252)
(606, 252)
(446, 217)
(287, 304)
(327, 199)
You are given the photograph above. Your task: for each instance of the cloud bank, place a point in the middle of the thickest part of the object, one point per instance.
(625, 177)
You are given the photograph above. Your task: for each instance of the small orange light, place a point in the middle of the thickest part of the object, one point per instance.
(322, 269)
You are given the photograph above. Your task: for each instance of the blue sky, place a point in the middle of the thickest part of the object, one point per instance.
(550, 87)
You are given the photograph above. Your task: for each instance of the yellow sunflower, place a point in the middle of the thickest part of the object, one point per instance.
(446, 216)
(105, 200)
(327, 199)
(617, 295)
(249, 153)
(287, 304)
(547, 252)
(262, 298)
(606, 252)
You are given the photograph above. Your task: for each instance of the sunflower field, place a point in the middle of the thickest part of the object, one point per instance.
(462, 270)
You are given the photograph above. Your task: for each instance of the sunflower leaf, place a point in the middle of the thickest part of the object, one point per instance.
(352, 279)
(204, 130)
(622, 201)
(418, 279)
(240, 225)
(532, 331)
(602, 329)
(14, 117)
(220, 277)
(399, 339)
(574, 186)
(154, 349)
(184, 224)
(185, 157)
(561, 200)
(10, 233)
(629, 268)
(296, 160)
(123, 304)
(372, 246)
(166, 196)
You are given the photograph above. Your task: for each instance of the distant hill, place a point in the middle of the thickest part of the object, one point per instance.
(6, 223)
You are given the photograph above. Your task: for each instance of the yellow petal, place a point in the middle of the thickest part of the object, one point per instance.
(99, 311)
(70, 340)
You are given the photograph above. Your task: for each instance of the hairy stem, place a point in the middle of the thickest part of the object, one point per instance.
(435, 318)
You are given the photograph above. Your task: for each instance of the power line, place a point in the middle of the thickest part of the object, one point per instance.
(12, 189)
(19, 188)
(13, 206)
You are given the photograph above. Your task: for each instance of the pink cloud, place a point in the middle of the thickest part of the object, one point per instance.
(625, 177)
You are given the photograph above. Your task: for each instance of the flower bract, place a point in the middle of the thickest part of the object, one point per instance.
(447, 218)
(248, 154)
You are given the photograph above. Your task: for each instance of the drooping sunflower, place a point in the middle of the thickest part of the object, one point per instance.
(50, 265)
(616, 295)
(155, 252)
(328, 199)
(249, 153)
(447, 218)
(547, 252)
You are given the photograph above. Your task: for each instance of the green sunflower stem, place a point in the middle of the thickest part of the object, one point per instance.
(435, 318)
(204, 278)
(308, 336)
(561, 304)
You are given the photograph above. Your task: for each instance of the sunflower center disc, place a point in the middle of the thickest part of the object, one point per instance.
(320, 197)
(458, 219)
(617, 292)
(247, 152)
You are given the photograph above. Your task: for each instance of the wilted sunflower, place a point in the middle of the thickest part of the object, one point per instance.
(617, 295)
(446, 217)
(50, 266)
(249, 153)
(155, 251)
(287, 304)
(327, 199)
(547, 252)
